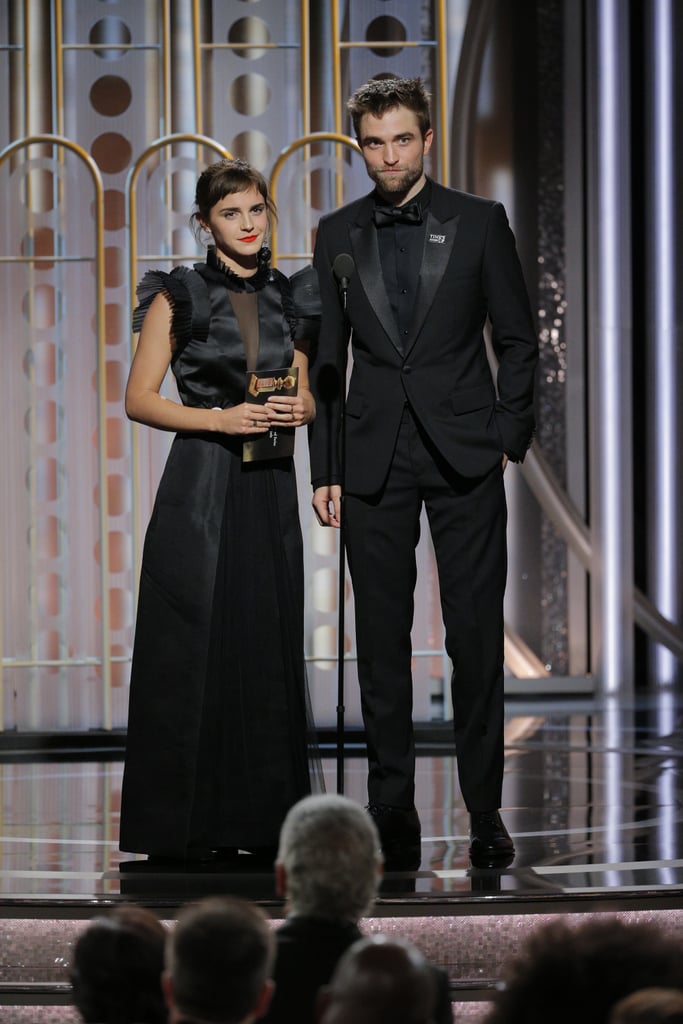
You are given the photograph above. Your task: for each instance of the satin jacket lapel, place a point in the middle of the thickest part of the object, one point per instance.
(363, 236)
(438, 246)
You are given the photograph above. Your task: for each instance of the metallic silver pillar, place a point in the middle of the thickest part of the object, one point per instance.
(182, 69)
(610, 341)
(183, 118)
(664, 362)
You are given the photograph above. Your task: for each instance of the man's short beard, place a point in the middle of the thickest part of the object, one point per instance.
(399, 184)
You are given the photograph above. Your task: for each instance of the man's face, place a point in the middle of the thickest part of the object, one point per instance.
(394, 151)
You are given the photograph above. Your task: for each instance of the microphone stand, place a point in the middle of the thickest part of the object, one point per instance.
(341, 572)
(343, 268)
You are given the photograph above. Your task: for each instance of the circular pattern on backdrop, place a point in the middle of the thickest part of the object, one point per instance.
(250, 94)
(43, 361)
(40, 421)
(114, 266)
(386, 29)
(110, 96)
(43, 306)
(112, 152)
(109, 30)
(183, 183)
(115, 439)
(49, 535)
(114, 209)
(252, 146)
(117, 494)
(43, 476)
(43, 242)
(37, 189)
(249, 30)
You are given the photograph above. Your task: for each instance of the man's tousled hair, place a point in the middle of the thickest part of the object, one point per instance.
(379, 95)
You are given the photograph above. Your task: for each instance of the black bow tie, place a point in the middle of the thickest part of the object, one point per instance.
(408, 214)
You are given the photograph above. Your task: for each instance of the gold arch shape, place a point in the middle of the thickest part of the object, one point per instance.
(133, 174)
(132, 221)
(286, 153)
(84, 156)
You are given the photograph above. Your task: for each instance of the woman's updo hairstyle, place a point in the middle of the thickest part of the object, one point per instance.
(221, 179)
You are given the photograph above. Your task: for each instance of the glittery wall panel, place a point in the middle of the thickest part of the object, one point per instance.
(473, 949)
(551, 433)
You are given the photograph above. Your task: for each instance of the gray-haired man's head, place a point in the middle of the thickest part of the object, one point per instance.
(329, 861)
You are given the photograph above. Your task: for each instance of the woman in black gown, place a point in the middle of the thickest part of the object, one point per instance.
(217, 729)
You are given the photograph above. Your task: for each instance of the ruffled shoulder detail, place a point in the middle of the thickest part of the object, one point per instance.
(188, 298)
(285, 289)
(306, 303)
(305, 292)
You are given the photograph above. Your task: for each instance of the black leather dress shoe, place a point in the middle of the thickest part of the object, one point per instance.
(490, 842)
(399, 833)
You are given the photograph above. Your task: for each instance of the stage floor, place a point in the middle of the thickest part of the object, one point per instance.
(592, 798)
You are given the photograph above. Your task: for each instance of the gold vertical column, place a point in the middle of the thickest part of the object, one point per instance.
(442, 90)
(336, 78)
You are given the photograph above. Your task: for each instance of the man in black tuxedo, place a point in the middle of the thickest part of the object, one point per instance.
(424, 423)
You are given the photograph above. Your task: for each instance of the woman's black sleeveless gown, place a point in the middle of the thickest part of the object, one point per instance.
(217, 732)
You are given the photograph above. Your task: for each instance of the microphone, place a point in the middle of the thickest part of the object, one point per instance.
(343, 269)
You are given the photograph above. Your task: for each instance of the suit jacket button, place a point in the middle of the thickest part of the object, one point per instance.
(407, 368)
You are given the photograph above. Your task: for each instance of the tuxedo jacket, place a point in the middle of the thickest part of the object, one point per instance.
(470, 271)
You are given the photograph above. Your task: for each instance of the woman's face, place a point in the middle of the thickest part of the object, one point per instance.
(238, 223)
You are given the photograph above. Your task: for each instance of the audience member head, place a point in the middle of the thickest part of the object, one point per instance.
(329, 860)
(569, 973)
(379, 981)
(117, 967)
(219, 962)
(649, 1006)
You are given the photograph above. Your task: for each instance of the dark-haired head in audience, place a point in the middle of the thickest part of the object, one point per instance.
(649, 1006)
(219, 963)
(577, 973)
(379, 981)
(117, 966)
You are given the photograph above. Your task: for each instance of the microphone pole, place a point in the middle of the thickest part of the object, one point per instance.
(343, 269)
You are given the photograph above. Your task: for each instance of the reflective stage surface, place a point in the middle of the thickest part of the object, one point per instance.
(592, 798)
